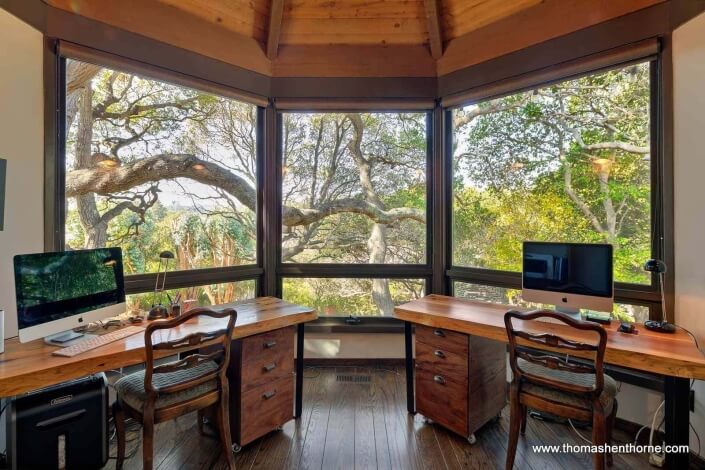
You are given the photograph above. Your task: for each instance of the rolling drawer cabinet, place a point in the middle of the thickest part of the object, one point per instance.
(460, 380)
(261, 381)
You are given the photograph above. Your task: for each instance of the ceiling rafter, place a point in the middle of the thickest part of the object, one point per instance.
(435, 33)
(276, 11)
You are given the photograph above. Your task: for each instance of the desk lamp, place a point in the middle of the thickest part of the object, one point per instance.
(663, 326)
(158, 310)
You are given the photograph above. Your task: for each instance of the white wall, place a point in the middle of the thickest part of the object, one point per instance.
(22, 145)
(689, 167)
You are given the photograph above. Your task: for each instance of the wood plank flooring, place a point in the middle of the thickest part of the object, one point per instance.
(363, 425)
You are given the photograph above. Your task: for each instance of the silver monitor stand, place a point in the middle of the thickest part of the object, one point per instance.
(573, 313)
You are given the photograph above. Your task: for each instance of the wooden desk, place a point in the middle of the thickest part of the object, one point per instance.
(31, 366)
(674, 356)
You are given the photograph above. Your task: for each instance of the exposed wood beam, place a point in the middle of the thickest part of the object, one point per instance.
(276, 10)
(435, 35)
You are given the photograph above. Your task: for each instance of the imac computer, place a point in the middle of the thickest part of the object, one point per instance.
(57, 292)
(570, 276)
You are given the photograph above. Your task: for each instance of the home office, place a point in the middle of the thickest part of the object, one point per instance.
(378, 165)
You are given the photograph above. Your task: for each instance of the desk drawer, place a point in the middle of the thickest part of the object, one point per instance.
(443, 339)
(443, 362)
(265, 408)
(442, 400)
(267, 357)
(270, 342)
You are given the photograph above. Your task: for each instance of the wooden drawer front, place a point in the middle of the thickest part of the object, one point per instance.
(267, 357)
(265, 408)
(449, 364)
(440, 338)
(442, 400)
(269, 342)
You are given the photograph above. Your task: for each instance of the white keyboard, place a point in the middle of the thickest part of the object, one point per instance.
(98, 341)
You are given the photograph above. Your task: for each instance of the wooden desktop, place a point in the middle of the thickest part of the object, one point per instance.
(264, 323)
(673, 356)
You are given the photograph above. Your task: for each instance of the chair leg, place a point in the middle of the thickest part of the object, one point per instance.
(148, 440)
(223, 419)
(610, 428)
(598, 436)
(523, 419)
(515, 414)
(119, 418)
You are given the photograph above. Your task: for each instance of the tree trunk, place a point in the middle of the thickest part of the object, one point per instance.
(94, 227)
(377, 243)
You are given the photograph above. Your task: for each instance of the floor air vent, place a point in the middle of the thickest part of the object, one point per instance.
(354, 378)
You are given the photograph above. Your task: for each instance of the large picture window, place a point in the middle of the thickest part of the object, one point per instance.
(568, 162)
(354, 192)
(151, 166)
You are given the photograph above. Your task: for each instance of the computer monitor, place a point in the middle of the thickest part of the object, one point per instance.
(59, 291)
(570, 276)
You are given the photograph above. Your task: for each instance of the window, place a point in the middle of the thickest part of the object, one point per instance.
(512, 297)
(152, 166)
(357, 297)
(354, 188)
(354, 193)
(569, 162)
(200, 296)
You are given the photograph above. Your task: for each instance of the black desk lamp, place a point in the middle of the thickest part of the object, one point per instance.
(659, 267)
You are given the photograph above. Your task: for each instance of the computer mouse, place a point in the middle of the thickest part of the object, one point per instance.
(626, 327)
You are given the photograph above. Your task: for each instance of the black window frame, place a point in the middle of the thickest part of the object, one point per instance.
(357, 270)
(55, 196)
(648, 295)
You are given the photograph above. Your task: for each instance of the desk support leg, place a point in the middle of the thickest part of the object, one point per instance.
(676, 392)
(409, 355)
(299, 369)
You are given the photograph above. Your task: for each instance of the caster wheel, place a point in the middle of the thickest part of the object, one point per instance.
(236, 448)
(279, 428)
(472, 439)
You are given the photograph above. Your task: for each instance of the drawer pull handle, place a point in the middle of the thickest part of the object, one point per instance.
(270, 344)
(439, 379)
(439, 353)
(269, 367)
(439, 332)
(269, 394)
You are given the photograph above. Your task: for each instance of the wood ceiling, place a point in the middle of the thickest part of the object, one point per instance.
(352, 37)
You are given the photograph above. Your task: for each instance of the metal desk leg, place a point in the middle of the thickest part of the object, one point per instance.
(299, 369)
(676, 392)
(409, 354)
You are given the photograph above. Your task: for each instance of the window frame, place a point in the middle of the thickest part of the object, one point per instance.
(661, 187)
(422, 271)
(55, 174)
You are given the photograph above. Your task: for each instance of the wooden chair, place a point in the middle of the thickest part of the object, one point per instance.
(547, 382)
(165, 392)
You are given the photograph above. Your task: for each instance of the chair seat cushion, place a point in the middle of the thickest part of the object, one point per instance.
(131, 390)
(609, 390)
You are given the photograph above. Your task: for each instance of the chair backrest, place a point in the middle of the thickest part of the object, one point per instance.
(215, 346)
(558, 345)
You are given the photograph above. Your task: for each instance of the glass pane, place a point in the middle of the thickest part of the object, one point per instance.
(354, 188)
(152, 166)
(568, 162)
(358, 297)
(199, 296)
(512, 297)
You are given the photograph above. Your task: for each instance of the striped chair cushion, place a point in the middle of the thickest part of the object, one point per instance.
(131, 387)
(609, 390)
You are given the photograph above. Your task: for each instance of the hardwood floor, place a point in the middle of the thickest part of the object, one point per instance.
(356, 418)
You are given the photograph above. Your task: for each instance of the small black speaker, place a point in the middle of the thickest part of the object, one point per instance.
(64, 426)
(3, 177)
